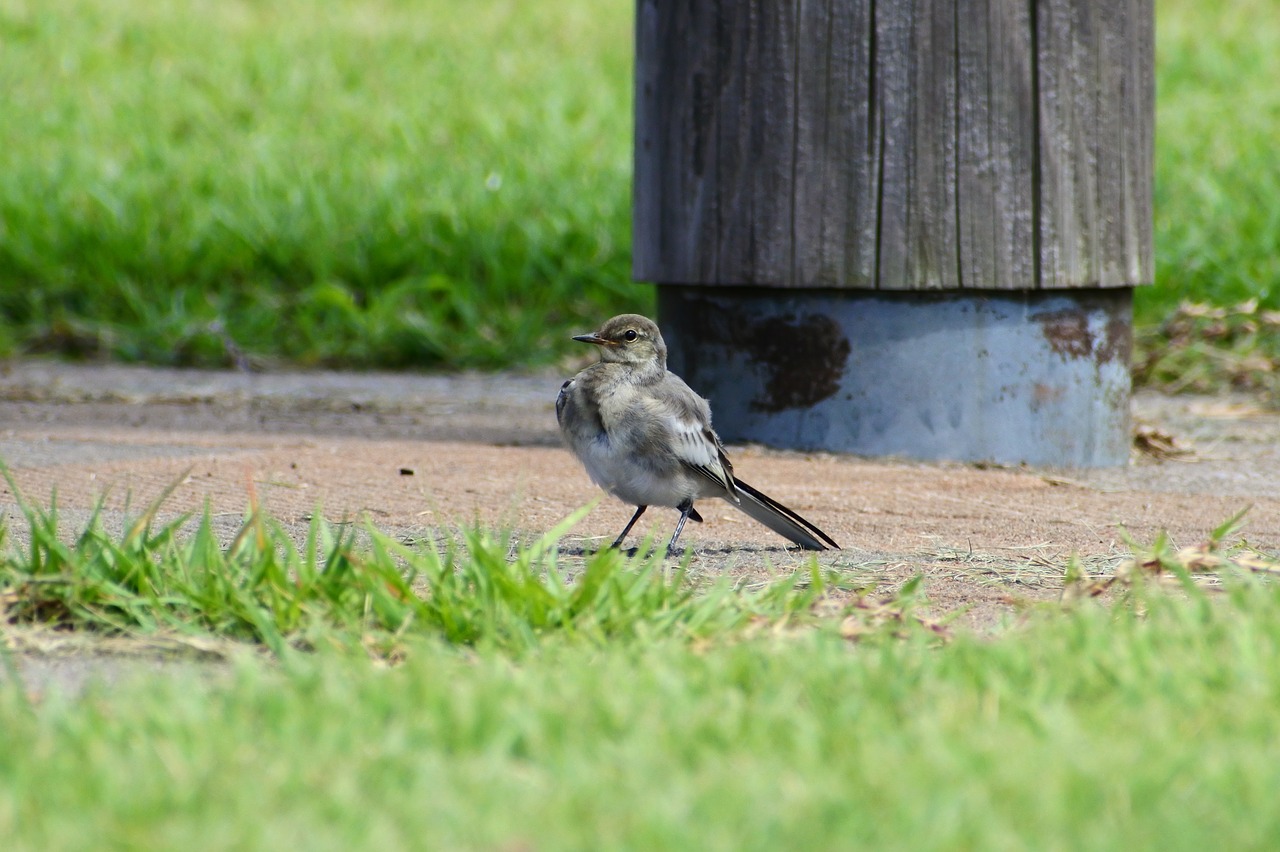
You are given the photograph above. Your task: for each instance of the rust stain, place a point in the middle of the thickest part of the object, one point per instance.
(1117, 344)
(1043, 394)
(1067, 332)
(803, 359)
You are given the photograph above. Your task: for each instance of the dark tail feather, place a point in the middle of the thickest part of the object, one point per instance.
(780, 519)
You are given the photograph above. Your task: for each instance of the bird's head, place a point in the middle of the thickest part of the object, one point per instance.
(629, 339)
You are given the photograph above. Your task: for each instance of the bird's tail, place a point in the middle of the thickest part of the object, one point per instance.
(780, 519)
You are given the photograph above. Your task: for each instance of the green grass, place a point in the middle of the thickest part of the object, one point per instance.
(540, 701)
(1100, 729)
(1205, 326)
(1217, 201)
(364, 182)
(368, 591)
(395, 183)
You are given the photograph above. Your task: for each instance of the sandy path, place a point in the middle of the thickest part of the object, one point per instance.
(420, 453)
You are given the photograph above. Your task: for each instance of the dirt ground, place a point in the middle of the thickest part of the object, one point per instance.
(423, 452)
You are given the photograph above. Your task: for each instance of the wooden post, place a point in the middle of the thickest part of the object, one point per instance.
(883, 151)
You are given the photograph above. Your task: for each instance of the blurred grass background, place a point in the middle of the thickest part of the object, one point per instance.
(392, 183)
(357, 182)
(1217, 200)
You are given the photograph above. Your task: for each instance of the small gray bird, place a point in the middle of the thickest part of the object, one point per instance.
(645, 437)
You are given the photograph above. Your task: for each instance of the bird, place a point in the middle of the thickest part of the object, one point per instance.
(645, 436)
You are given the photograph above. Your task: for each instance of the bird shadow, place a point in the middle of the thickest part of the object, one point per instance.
(724, 550)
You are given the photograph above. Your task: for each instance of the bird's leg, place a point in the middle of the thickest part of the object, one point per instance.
(631, 523)
(686, 511)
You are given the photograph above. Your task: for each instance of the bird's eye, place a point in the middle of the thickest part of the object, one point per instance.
(631, 334)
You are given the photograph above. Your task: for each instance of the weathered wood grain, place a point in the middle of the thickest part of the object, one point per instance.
(1096, 117)
(755, 102)
(997, 145)
(837, 158)
(894, 144)
(673, 200)
(916, 64)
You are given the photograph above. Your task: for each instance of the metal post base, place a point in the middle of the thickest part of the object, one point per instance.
(1040, 377)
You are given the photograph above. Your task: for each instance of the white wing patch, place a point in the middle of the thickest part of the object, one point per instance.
(690, 444)
(695, 447)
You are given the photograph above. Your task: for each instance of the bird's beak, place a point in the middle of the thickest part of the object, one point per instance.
(593, 338)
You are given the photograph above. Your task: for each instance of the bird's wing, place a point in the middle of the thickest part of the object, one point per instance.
(687, 420)
(563, 399)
